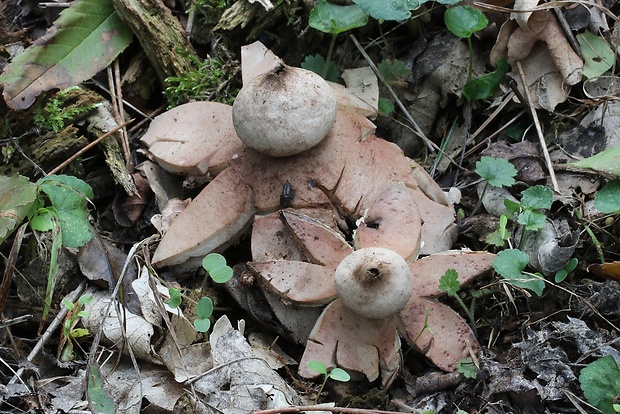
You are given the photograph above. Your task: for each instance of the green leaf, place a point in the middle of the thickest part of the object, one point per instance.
(84, 299)
(385, 106)
(497, 171)
(495, 238)
(608, 161)
(175, 298)
(393, 71)
(448, 282)
(467, 367)
(202, 325)
(607, 199)
(204, 307)
(597, 54)
(317, 366)
(560, 275)
(537, 197)
(68, 196)
(600, 382)
(101, 402)
(68, 304)
(486, 85)
(510, 264)
(532, 220)
(339, 374)
(572, 264)
(79, 333)
(387, 9)
(42, 219)
(334, 19)
(84, 40)
(512, 207)
(17, 196)
(464, 21)
(215, 265)
(316, 64)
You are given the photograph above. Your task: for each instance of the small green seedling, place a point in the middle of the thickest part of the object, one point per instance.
(561, 274)
(600, 383)
(334, 19)
(467, 367)
(486, 85)
(464, 21)
(204, 310)
(497, 172)
(70, 332)
(337, 374)
(511, 264)
(174, 298)
(215, 265)
(449, 283)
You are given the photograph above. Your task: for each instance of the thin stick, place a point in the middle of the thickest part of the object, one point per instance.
(324, 407)
(432, 147)
(89, 146)
(541, 137)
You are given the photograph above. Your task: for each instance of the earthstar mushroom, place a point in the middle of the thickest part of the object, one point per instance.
(285, 111)
(374, 282)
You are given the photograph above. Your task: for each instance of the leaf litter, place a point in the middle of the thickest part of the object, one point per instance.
(537, 365)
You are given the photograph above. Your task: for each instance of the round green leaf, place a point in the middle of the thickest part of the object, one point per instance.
(317, 366)
(600, 382)
(397, 10)
(497, 171)
(204, 307)
(339, 374)
(537, 197)
(334, 19)
(202, 325)
(607, 199)
(215, 265)
(510, 264)
(464, 21)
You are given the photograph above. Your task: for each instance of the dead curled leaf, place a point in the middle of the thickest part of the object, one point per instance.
(520, 43)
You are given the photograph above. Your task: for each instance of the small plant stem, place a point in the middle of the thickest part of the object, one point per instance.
(329, 55)
(595, 240)
(468, 312)
(522, 239)
(318, 394)
(479, 203)
(470, 68)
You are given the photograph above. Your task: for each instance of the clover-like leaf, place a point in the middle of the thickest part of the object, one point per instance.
(537, 197)
(497, 171)
(464, 21)
(510, 264)
(317, 63)
(215, 265)
(607, 199)
(334, 19)
(532, 220)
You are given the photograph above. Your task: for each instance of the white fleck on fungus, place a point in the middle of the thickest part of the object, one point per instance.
(284, 111)
(374, 282)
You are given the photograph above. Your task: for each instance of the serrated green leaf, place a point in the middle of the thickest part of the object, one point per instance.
(317, 366)
(334, 19)
(316, 64)
(204, 307)
(464, 21)
(448, 282)
(202, 325)
(215, 265)
(339, 374)
(597, 54)
(608, 161)
(393, 71)
(497, 171)
(397, 10)
(495, 238)
(84, 40)
(600, 383)
(532, 220)
(537, 197)
(607, 199)
(17, 196)
(467, 368)
(510, 264)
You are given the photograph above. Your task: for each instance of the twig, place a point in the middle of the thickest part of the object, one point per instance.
(541, 137)
(89, 146)
(57, 321)
(432, 147)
